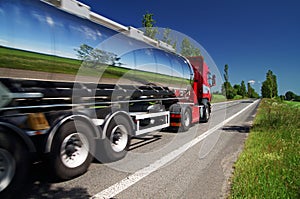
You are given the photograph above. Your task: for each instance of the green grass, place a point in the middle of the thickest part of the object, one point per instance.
(269, 166)
(221, 98)
(25, 60)
(293, 104)
(218, 98)
(238, 97)
(18, 59)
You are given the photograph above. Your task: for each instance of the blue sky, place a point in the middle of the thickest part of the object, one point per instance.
(250, 36)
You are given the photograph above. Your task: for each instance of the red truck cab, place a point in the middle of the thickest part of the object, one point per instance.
(203, 81)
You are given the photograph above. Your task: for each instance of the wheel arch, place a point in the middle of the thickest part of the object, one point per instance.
(56, 127)
(18, 132)
(110, 116)
(180, 108)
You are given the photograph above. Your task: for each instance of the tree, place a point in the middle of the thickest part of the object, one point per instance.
(92, 57)
(226, 76)
(243, 91)
(290, 95)
(148, 23)
(269, 86)
(237, 89)
(227, 88)
(188, 50)
(251, 92)
(265, 90)
(167, 39)
(84, 51)
(166, 36)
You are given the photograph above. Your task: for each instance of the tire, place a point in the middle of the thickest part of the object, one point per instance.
(72, 150)
(116, 144)
(186, 120)
(14, 164)
(206, 113)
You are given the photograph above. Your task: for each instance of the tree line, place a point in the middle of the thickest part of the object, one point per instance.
(269, 88)
(187, 49)
(291, 96)
(238, 90)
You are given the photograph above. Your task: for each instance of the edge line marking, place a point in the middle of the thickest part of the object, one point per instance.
(130, 180)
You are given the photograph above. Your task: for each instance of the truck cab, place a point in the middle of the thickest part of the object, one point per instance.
(203, 81)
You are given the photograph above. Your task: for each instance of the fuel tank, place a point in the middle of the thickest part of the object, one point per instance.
(40, 41)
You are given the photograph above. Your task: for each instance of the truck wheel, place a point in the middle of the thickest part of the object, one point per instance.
(117, 141)
(14, 164)
(206, 114)
(71, 150)
(186, 120)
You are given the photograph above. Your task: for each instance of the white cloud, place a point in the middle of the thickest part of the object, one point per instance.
(49, 21)
(251, 82)
(87, 32)
(4, 42)
(45, 19)
(99, 33)
(39, 17)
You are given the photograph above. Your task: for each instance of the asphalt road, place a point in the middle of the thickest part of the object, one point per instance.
(193, 164)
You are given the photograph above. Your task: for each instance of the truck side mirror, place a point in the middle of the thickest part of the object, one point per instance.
(213, 80)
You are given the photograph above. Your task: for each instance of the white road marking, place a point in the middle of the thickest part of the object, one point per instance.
(122, 185)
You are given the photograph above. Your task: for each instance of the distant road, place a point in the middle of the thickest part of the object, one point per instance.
(193, 164)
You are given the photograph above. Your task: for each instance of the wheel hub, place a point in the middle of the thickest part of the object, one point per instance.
(74, 150)
(187, 119)
(71, 145)
(116, 137)
(119, 138)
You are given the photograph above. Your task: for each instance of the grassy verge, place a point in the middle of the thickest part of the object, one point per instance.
(218, 98)
(269, 166)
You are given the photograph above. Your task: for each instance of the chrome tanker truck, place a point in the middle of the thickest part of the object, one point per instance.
(75, 85)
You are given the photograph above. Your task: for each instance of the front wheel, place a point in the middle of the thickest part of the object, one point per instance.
(186, 120)
(14, 164)
(116, 144)
(206, 113)
(72, 150)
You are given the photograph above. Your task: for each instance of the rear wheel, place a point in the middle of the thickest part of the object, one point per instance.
(14, 164)
(72, 150)
(117, 141)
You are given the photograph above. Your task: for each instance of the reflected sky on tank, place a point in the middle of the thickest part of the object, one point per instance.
(45, 29)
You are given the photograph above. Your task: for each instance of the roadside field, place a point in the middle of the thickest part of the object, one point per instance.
(19, 59)
(293, 104)
(218, 98)
(269, 166)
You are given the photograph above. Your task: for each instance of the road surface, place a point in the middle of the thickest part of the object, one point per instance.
(193, 164)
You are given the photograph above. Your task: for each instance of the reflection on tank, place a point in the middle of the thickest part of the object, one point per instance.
(66, 44)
